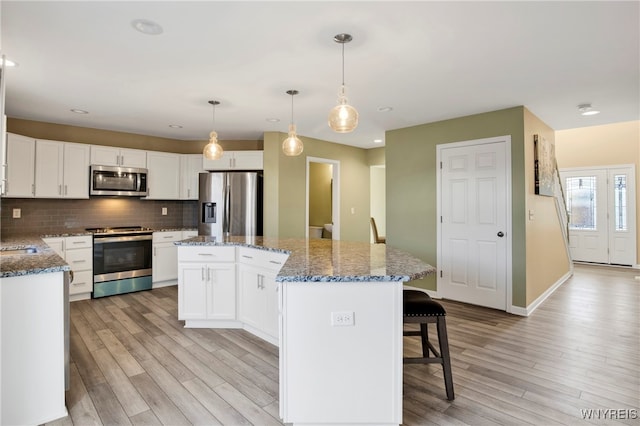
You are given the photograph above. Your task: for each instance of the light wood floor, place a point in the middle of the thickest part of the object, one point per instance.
(134, 363)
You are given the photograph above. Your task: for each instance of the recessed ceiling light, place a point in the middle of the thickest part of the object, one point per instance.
(377, 141)
(385, 109)
(587, 109)
(146, 27)
(273, 120)
(175, 126)
(79, 111)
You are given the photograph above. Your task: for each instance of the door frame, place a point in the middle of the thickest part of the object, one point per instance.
(335, 195)
(506, 140)
(632, 201)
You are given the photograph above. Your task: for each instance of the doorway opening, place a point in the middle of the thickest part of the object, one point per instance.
(323, 198)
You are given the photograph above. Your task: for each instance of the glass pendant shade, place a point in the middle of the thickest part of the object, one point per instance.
(212, 150)
(292, 145)
(343, 118)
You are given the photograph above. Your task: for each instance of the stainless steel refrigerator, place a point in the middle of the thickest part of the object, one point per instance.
(230, 203)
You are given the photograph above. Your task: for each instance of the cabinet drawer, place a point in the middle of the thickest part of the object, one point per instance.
(80, 259)
(79, 242)
(167, 237)
(82, 282)
(206, 254)
(262, 258)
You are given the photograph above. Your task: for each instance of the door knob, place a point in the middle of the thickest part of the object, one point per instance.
(500, 234)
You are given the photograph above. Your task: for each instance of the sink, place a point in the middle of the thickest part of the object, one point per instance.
(18, 251)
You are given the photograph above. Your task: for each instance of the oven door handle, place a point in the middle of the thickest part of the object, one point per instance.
(101, 240)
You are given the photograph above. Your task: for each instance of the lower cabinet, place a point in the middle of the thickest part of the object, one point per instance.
(211, 295)
(78, 253)
(207, 291)
(165, 256)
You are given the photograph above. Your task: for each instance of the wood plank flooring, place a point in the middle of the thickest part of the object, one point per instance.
(134, 363)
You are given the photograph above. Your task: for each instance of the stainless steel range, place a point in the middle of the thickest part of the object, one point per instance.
(122, 260)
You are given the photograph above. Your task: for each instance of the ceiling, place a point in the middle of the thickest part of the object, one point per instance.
(428, 61)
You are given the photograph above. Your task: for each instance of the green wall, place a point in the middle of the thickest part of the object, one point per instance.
(320, 176)
(411, 185)
(285, 187)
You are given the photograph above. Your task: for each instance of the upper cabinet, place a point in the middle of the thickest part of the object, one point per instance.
(236, 160)
(113, 156)
(61, 170)
(20, 171)
(163, 180)
(190, 168)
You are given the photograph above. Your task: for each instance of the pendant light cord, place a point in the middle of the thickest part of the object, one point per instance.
(342, 64)
(292, 108)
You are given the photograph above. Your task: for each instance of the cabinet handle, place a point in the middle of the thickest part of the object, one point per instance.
(59, 189)
(78, 242)
(81, 283)
(247, 257)
(33, 188)
(208, 274)
(275, 262)
(202, 271)
(155, 251)
(188, 193)
(65, 190)
(79, 261)
(206, 254)
(167, 236)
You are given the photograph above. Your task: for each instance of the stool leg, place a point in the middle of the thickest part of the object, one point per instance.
(446, 360)
(424, 333)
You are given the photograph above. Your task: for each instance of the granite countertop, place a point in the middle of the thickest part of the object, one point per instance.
(323, 260)
(43, 261)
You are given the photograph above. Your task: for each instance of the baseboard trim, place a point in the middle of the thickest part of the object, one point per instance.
(525, 312)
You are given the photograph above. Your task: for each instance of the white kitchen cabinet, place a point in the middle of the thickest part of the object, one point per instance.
(236, 160)
(206, 285)
(190, 168)
(32, 352)
(165, 258)
(77, 251)
(163, 180)
(258, 291)
(20, 171)
(61, 169)
(114, 156)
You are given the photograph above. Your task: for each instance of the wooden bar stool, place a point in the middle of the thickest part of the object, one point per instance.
(420, 308)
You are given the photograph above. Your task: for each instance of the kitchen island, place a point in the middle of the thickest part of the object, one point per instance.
(337, 309)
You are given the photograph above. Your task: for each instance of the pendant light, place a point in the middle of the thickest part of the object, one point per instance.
(292, 145)
(213, 150)
(343, 118)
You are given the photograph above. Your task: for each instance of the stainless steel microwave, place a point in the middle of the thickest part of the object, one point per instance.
(118, 181)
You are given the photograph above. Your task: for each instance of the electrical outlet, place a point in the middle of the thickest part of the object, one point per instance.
(164, 211)
(17, 213)
(340, 319)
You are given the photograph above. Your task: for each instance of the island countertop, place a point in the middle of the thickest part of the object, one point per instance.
(324, 260)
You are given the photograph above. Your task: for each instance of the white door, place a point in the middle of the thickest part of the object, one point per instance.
(601, 207)
(473, 201)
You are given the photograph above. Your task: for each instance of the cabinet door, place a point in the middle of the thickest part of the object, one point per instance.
(248, 160)
(76, 170)
(133, 158)
(192, 291)
(56, 244)
(272, 310)
(224, 163)
(251, 295)
(165, 262)
(221, 298)
(49, 169)
(105, 155)
(190, 167)
(21, 154)
(163, 180)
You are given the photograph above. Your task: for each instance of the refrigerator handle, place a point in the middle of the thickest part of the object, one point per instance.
(226, 225)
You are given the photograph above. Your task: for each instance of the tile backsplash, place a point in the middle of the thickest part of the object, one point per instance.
(47, 216)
